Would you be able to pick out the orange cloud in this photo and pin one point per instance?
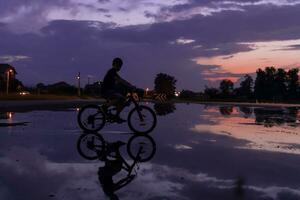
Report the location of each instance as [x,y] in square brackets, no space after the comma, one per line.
[233,79]
[265,54]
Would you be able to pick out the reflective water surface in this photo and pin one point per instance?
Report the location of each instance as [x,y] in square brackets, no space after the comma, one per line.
[202,152]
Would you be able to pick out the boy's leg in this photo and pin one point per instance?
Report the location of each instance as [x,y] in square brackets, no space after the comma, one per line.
[120,105]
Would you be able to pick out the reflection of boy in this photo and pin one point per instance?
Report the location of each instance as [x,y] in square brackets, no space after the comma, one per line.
[111,168]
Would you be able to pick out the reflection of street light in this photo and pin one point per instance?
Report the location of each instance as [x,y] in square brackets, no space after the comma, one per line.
[7,79]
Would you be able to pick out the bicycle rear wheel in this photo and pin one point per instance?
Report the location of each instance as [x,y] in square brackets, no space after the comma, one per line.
[91,146]
[142,119]
[91,118]
[141,148]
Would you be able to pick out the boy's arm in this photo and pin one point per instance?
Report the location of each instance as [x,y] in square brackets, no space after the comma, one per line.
[124,82]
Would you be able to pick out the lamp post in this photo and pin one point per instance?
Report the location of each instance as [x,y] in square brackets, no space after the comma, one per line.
[78,79]
[7,80]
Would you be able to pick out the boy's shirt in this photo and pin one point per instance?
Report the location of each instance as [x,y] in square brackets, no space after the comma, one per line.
[109,81]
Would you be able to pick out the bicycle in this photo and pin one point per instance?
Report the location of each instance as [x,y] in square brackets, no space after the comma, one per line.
[141,119]
[91,146]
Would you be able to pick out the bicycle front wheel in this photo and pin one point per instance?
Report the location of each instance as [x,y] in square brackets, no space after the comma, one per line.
[141,148]
[91,118]
[142,119]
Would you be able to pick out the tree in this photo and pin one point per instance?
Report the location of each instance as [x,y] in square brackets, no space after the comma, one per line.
[226,87]
[15,85]
[259,87]
[277,84]
[264,83]
[166,84]
[280,84]
[212,93]
[246,86]
[293,83]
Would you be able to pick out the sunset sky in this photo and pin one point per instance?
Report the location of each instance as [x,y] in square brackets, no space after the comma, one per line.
[197,41]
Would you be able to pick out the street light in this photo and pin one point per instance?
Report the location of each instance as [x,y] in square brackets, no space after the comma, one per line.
[78,79]
[7,79]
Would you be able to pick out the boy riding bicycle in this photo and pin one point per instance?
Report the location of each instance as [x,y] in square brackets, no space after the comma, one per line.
[114,89]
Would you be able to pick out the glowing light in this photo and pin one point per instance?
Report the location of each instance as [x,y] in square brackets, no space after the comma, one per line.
[177,94]
[10,114]
[24,93]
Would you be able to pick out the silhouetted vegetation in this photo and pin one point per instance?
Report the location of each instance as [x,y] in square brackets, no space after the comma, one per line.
[14,85]
[187,94]
[226,88]
[60,88]
[271,85]
[166,84]
[245,91]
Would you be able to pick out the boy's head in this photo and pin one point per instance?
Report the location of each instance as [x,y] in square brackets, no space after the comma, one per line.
[117,63]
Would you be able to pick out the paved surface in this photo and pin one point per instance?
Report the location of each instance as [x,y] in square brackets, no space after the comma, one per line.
[203,152]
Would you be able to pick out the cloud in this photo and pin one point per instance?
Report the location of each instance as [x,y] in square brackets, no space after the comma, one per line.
[184,41]
[12,58]
[69,46]
[290,48]
[28,16]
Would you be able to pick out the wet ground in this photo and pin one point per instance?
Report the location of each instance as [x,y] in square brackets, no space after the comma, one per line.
[214,152]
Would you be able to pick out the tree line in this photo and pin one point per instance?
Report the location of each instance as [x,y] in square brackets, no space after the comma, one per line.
[271,84]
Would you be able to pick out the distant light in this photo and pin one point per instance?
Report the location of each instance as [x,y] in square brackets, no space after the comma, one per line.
[24,93]
[77,109]
[10,115]
[176,94]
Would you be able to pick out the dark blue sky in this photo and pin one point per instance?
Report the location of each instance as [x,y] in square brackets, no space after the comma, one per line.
[197,41]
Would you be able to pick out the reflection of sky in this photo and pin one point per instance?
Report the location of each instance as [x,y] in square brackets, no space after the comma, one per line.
[283,138]
[40,161]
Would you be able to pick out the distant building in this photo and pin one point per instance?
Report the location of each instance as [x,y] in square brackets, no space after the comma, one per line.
[8,75]
[93,89]
[6,69]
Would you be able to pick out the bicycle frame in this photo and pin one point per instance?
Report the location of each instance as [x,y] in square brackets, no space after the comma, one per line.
[131,98]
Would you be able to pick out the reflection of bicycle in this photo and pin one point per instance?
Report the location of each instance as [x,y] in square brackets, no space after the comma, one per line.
[140,148]
[141,119]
